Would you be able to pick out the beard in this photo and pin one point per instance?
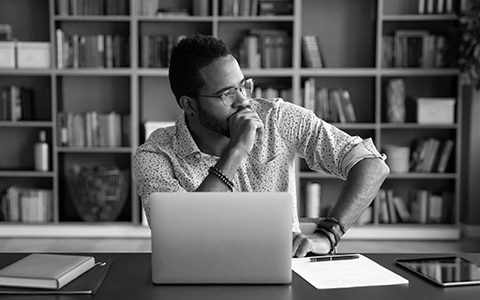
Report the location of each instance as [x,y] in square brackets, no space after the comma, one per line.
[212,123]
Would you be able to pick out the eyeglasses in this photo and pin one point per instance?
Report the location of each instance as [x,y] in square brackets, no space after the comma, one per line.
[228,96]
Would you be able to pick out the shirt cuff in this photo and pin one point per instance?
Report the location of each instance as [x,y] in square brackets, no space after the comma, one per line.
[364,149]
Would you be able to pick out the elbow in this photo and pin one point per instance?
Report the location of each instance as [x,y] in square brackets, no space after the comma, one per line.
[384,171]
[374,168]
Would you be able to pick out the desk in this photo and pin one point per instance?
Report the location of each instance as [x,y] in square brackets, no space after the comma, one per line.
[130,278]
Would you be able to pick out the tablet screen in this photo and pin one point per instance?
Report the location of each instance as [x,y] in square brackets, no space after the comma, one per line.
[444,271]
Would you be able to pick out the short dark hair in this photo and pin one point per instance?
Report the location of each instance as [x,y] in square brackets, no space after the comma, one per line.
[187,58]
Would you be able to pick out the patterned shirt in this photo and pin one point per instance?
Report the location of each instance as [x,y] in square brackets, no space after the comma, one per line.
[170,160]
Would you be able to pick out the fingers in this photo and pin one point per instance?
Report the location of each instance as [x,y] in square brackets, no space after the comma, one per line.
[245,125]
[301,245]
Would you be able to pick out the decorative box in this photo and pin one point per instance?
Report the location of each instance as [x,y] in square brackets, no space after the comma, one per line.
[435,110]
[33,55]
[7,55]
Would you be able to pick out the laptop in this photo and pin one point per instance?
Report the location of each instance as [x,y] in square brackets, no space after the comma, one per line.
[221,238]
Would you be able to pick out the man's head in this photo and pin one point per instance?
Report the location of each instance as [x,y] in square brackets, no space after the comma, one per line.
[188,57]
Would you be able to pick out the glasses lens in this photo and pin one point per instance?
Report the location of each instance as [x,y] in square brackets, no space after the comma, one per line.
[246,88]
[229,96]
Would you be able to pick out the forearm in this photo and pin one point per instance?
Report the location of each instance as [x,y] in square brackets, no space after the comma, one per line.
[228,165]
[362,185]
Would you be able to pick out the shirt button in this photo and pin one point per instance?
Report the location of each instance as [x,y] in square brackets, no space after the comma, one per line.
[198,155]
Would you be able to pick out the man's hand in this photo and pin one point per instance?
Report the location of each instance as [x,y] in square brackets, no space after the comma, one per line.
[244,125]
[303,244]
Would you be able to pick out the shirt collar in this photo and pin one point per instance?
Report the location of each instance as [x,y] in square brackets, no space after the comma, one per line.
[184,144]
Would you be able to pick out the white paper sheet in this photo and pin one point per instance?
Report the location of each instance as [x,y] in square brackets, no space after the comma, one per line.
[345,273]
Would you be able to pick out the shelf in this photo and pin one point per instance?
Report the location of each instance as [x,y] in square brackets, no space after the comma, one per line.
[393,231]
[417,126]
[342,72]
[183,19]
[94,72]
[103,18]
[94,150]
[33,124]
[353,63]
[83,230]
[29,72]
[255,19]
[423,176]
[116,230]
[404,232]
[420,18]
[419,72]
[31,174]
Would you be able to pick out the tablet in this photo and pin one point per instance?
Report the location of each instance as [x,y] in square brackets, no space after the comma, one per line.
[444,271]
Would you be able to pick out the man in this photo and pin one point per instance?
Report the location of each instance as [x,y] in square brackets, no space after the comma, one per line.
[227,141]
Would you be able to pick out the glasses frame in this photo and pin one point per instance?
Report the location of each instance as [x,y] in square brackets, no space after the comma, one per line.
[229,95]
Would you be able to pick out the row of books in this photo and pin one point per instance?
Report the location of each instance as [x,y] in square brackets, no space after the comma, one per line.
[422,207]
[266,48]
[435,6]
[272,92]
[92,7]
[93,129]
[413,49]
[92,51]
[331,105]
[256,7]
[156,49]
[16,103]
[152,8]
[28,205]
[431,155]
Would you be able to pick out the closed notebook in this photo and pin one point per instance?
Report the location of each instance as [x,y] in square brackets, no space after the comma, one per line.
[48,271]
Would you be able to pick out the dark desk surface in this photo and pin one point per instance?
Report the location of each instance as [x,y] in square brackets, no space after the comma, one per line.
[130,278]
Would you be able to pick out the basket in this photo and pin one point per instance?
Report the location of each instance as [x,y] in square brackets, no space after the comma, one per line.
[99,194]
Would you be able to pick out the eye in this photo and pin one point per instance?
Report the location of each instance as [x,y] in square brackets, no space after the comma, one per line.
[230,92]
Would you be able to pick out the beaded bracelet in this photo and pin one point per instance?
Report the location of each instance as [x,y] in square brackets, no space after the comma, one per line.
[334,220]
[333,229]
[222,177]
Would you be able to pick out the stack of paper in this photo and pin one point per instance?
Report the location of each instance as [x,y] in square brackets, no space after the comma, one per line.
[358,272]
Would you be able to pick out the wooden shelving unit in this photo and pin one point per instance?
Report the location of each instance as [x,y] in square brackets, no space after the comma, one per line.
[351,40]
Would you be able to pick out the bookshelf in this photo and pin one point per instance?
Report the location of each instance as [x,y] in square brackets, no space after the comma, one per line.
[350,38]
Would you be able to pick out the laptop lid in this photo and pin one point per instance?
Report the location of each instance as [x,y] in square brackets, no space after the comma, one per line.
[207,237]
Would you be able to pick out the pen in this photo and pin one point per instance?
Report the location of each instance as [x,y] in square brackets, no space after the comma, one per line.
[334,257]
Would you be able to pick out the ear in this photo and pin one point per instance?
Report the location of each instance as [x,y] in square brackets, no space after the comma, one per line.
[189,105]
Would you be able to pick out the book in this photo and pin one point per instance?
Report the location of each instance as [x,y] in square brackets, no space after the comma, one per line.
[311,52]
[419,206]
[47,271]
[445,155]
[392,214]
[86,284]
[421,6]
[401,209]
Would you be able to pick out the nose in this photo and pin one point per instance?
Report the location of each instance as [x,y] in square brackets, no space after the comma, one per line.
[241,99]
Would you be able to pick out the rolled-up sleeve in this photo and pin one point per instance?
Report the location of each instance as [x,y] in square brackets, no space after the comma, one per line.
[364,149]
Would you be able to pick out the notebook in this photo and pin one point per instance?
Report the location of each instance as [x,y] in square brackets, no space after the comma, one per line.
[49,271]
[221,238]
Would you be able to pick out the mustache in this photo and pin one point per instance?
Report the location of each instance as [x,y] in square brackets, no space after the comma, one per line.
[239,110]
